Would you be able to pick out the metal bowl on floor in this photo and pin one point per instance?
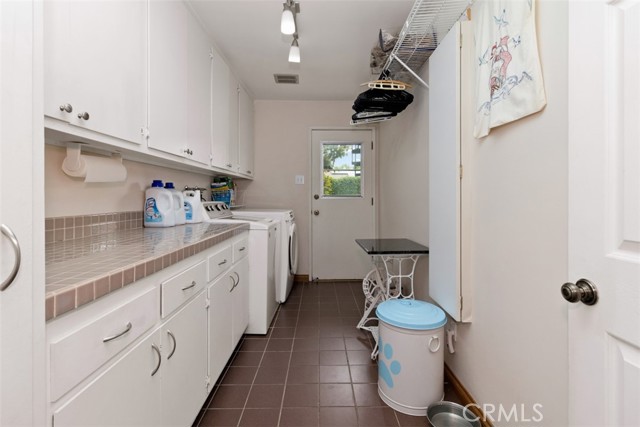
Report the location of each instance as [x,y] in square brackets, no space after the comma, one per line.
[449,414]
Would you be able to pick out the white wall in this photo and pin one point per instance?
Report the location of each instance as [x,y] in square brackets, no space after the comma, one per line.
[65,196]
[282,151]
[403,178]
[515,349]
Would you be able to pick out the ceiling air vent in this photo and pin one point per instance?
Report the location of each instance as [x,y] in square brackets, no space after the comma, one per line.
[291,79]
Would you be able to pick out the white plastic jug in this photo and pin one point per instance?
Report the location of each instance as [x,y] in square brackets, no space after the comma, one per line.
[158,206]
[178,203]
[192,206]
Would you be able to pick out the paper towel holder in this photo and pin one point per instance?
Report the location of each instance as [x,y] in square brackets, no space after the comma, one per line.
[76,165]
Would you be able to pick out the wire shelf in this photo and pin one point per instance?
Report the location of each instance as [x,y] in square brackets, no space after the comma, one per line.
[428,22]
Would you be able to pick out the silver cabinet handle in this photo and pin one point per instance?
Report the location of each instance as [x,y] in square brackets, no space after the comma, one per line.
[242,249]
[157,350]
[238,276]
[223,262]
[233,285]
[175,344]
[188,151]
[84,115]
[127,328]
[66,107]
[16,264]
[193,283]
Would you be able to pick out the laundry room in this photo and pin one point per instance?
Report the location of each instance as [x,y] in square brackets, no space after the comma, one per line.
[319,213]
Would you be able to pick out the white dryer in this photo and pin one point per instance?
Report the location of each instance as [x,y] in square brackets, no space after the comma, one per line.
[263,238]
[287,247]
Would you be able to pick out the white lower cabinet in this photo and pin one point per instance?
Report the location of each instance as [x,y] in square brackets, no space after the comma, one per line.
[240,300]
[220,324]
[184,364]
[128,393]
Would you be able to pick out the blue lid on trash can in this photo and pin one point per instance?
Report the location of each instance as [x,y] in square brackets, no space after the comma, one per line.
[411,314]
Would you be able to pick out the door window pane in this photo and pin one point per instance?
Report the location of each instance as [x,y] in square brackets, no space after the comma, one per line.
[342,169]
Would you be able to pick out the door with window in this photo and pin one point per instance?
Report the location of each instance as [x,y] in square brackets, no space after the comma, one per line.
[342,202]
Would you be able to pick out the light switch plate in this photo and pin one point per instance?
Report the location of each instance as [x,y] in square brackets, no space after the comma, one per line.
[299,179]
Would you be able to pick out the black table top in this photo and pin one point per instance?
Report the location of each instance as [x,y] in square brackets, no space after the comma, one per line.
[392,247]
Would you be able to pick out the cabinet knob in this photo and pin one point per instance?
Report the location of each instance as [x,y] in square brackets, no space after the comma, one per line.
[84,115]
[188,151]
[66,107]
[229,165]
[248,172]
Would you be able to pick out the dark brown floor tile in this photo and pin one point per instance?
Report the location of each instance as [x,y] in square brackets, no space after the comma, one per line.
[299,395]
[271,375]
[411,421]
[306,344]
[230,396]
[374,417]
[239,375]
[331,357]
[264,417]
[360,357]
[331,343]
[353,332]
[303,375]
[286,322]
[358,344]
[288,332]
[334,374]
[305,358]
[307,332]
[364,374]
[338,417]
[247,358]
[275,359]
[367,395]
[279,344]
[220,418]
[254,344]
[265,396]
[336,395]
[299,417]
[330,331]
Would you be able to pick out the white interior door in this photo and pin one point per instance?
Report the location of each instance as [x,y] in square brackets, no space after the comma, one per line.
[21,182]
[604,211]
[342,203]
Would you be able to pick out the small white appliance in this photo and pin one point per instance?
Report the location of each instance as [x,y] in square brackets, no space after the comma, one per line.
[263,234]
[286,247]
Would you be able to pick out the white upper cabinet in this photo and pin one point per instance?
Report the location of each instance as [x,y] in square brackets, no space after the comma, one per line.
[199,93]
[245,132]
[95,73]
[168,73]
[224,99]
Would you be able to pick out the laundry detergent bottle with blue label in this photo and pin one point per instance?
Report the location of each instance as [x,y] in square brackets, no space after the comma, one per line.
[178,203]
[158,206]
[192,206]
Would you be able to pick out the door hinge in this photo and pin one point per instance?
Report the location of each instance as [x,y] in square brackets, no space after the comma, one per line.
[372,145]
[207,381]
[144,131]
[372,201]
[460,171]
[207,303]
[461,302]
[460,41]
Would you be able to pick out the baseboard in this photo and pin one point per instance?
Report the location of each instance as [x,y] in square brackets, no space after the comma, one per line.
[465,396]
[304,278]
[300,278]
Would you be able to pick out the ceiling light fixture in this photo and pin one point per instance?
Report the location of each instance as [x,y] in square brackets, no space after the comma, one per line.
[288,20]
[294,51]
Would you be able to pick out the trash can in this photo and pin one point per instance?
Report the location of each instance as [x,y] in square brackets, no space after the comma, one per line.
[411,354]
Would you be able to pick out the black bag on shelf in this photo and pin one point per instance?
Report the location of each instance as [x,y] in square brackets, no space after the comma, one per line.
[394,101]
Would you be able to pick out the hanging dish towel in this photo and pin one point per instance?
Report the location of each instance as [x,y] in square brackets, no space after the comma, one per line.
[509,77]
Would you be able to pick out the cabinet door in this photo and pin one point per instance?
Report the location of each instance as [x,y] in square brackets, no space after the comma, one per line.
[184,364]
[221,114]
[245,132]
[240,300]
[96,61]
[220,325]
[128,393]
[233,122]
[199,93]
[168,35]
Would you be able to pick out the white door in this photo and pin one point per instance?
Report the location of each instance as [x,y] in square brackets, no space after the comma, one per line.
[21,181]
[221,104]
[342,203]
[604,211]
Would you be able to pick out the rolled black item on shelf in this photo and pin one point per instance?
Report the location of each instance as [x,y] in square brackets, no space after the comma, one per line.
[393,101]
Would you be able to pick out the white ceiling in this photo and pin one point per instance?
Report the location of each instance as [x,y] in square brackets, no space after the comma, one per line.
[335,39]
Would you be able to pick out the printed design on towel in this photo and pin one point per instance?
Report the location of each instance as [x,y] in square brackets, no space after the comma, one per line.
[394,368]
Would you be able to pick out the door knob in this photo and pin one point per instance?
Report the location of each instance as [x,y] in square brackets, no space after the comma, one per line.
[315,196]
[583,290]
[316,212]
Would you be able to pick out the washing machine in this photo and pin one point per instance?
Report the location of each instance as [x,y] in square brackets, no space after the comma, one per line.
[286,247]
[263,238]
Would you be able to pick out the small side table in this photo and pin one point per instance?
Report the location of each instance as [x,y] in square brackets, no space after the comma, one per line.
[392,276]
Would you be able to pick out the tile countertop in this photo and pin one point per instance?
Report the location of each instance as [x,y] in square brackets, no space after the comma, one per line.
[81,270]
